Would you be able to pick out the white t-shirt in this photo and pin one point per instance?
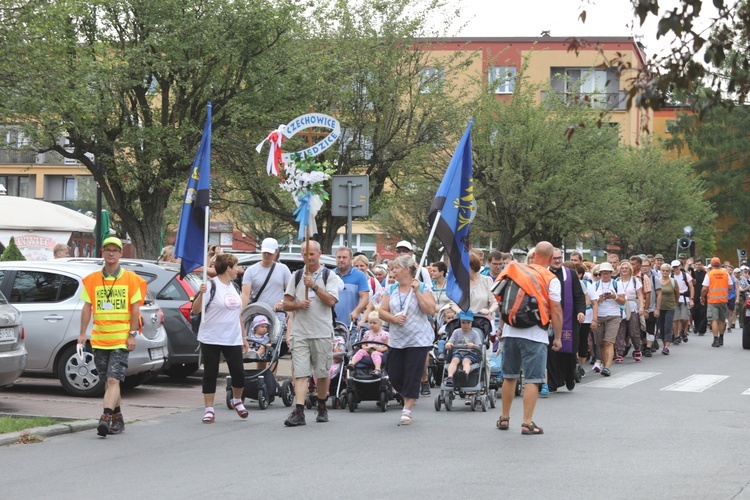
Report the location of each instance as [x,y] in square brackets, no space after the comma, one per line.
[256,275]
[607,307]
[536,333]
[316,322]
[630,289]
[221,323]
[683,286]
[588,288]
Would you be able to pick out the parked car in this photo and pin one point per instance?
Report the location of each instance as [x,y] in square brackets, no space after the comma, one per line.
[12,348]
[293,261]
[48,296]
[174,295]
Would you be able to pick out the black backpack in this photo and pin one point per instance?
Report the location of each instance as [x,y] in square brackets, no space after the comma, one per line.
[517,308]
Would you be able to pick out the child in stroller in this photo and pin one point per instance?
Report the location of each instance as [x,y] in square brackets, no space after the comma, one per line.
[259,339]
[467,337]
[373,351]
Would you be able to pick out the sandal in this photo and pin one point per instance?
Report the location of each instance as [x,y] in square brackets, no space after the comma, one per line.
[503,423]
[405,419]
[531,429]
[240,409]
[209,417]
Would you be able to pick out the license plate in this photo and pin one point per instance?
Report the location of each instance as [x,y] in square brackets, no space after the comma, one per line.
[156,353]
[7,334]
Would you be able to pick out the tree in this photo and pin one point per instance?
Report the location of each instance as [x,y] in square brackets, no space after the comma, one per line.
[362,63]
[723,44]
[11,252]
[126,84]
[719,145]
[531,174]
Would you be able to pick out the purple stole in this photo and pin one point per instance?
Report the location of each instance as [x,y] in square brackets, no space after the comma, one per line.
[567,305]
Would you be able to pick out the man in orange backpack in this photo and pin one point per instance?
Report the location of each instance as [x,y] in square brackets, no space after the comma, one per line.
[527,347]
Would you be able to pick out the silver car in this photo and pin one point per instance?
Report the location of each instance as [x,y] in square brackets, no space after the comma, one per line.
[48,295]
[12,349]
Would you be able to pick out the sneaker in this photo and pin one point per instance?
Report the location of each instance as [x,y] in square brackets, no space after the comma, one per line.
[322,414]
[118,424]
[618,359]
[425,389]
[665,351]
[581,371]
[544,392]
[716,342]
[647,352]
[685,338]
[606,372]
[297,417]
[637,356]
[729,329]
[677,340]
[104,425]
[448,381]
[627,350]
[597,367]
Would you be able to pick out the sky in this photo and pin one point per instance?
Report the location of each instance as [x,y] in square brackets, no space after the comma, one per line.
[500,18]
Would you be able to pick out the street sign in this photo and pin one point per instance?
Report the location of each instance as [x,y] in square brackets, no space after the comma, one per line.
[360,195]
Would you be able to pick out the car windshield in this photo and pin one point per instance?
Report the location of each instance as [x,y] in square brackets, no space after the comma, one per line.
[3,300]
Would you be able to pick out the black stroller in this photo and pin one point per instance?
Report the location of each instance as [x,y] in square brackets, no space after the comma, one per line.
[260,384]
[363,384]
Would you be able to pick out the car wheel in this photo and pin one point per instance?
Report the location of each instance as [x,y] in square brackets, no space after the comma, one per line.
[287,393]
[181,371]
[79,377]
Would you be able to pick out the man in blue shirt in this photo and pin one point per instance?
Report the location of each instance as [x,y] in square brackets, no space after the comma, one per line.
[354,297]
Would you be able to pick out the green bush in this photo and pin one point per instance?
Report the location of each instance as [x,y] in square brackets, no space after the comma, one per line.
[11,252]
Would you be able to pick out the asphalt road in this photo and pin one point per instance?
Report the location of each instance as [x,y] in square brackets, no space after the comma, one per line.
[670,427]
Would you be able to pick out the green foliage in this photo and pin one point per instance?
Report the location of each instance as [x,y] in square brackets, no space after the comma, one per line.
[13,424]
[356,61]
[131,83]
[12,252]
[719,144]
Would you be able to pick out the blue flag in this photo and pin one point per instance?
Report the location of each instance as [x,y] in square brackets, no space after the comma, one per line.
[455,201]
[189,245]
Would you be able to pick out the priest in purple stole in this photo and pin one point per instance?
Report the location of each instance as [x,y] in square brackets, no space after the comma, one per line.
[562,364]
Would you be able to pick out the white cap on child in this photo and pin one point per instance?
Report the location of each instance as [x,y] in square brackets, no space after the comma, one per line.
[259,320]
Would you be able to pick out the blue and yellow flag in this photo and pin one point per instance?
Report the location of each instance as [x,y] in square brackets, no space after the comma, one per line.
[455,202]
[189,245]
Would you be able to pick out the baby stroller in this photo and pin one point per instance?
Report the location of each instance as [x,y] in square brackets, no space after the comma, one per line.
[260,384]
[364,385]
[474,384]
[437,353]
[337,383]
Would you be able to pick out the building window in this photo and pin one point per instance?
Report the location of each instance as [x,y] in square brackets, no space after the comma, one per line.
[431,80]
[503,79]
[70,191]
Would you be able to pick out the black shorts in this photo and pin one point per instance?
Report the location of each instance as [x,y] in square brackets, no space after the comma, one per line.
[111,362]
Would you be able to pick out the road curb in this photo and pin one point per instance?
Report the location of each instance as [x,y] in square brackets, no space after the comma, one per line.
[38,433]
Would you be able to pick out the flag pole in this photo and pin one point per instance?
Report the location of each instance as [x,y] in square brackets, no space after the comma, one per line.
[424,255]
[205,259]
[307,249]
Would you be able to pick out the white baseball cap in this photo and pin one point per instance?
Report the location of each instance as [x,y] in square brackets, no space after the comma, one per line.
[676,263]
[269,245]
[259,320]
[405,244]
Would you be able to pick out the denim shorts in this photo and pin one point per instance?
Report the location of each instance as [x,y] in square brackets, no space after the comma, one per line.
[523,353]
[461,355]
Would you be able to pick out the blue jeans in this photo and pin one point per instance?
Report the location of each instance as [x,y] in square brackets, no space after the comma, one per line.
[523,353]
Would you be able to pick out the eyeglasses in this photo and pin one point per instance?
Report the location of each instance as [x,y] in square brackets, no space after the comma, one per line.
[596,275]
[402,250]
[111,250]
[556,258]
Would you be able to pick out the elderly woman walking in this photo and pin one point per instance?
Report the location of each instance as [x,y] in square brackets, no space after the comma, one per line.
[407,306]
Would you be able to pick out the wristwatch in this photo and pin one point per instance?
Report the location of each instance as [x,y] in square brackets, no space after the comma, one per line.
[315,288]
[134,333]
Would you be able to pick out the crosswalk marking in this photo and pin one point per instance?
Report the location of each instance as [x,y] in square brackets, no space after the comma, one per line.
[621,380]
[746,393]
[696,383]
